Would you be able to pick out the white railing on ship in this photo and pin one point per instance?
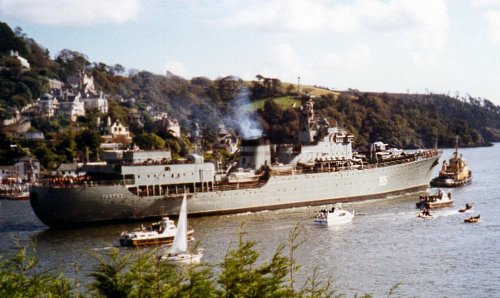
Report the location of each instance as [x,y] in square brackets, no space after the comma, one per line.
[69,182]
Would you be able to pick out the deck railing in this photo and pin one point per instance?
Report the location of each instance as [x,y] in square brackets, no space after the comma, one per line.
[73,183]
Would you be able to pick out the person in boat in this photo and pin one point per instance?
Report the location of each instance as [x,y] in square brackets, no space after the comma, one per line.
[426,212]
[467,206]
[449,195]
[440,193]
[333,209]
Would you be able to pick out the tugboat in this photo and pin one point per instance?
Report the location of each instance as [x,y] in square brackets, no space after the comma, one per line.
[455,173]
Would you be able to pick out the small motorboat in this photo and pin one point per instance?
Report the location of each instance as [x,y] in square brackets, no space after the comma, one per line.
[473,219]
[244,176]
[159,233]
[466,209]
[22,196]
[434,201]
[425,214]
[334,216]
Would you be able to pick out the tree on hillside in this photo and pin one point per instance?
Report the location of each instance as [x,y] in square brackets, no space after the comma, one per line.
[266,87]
[149,141]
[71,63]
[10,41]
[88,141]
[208,120]
[229,87]
[46,156]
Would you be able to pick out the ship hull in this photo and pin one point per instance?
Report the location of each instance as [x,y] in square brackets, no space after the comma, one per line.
[62,207]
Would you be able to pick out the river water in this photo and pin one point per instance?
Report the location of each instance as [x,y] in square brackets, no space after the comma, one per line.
[384,245]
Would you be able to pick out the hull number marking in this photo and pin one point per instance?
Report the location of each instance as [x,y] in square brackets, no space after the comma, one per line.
[113,196]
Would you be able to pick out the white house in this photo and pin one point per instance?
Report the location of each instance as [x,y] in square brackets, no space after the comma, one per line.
[96,102]
[171,125]
[67,170]
[24,62]
[72,106]
[116,129]
[82,82]
[48,105]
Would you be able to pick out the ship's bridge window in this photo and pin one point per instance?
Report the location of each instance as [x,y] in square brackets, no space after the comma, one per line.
[130,178]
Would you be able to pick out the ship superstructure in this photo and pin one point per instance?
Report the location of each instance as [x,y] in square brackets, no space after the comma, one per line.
[322,168]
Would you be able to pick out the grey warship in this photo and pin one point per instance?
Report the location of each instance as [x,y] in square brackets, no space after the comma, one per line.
[320,169]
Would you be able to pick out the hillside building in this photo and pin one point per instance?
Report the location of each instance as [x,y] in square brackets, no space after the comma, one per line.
[114,132]
[72,106]
[48,105]
[96,102]
[226,141]
[24,62]
[171,125]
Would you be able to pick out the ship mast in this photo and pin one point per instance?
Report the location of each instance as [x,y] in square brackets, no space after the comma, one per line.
[308,129]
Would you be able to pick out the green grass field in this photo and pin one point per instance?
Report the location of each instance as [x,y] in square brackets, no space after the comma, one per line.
[286,102]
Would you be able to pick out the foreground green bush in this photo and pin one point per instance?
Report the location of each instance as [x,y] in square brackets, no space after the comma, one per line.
[240,274]
[19,277]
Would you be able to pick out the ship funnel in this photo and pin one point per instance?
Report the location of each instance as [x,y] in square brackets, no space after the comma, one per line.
[255,153]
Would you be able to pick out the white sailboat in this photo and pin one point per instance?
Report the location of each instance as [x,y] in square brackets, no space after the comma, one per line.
[178,253]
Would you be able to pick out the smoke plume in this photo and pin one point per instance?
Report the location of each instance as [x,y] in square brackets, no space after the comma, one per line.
[244,119]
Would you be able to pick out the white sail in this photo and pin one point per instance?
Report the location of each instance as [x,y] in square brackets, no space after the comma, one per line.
[180,240]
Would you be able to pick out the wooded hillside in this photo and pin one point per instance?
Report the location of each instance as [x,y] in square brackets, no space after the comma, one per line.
[401,120]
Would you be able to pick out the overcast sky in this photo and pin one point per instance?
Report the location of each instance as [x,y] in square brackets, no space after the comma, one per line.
[411,46]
